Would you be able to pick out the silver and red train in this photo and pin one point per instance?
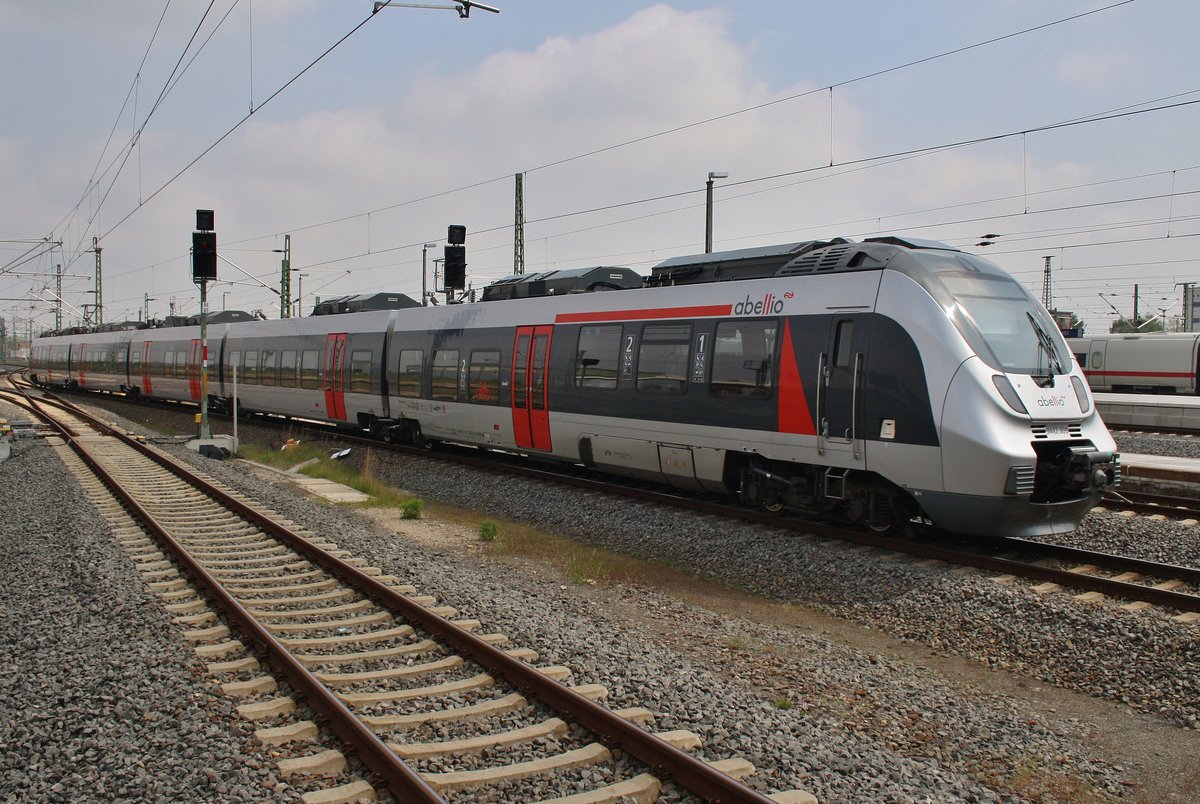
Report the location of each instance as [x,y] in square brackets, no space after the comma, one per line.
[882,381]
[1159,362]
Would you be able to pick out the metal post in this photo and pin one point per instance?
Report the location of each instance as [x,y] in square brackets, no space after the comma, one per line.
[708,208]
[99,283]
[205,430]
[58,297]
[235,401]
[285,279]
[424,273]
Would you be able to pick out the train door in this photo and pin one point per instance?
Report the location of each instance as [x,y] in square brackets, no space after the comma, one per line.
[530,392]
[1094,368]
[195,358]
[839,428]
[147,387]
[335,376]
[80,354]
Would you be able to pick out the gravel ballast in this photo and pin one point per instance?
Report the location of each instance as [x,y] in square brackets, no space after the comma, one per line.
[865,723]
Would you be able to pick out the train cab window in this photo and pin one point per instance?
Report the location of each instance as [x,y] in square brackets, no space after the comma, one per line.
[842,343]
[287,368]
[267,367]
[743,357]
[484,378]
[597,357]
[444,377]
[181,365]
[360,371]
[310,362]
[663,358]
[408,372]
[251,377]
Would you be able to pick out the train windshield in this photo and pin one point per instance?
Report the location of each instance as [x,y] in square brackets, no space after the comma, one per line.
[996,315]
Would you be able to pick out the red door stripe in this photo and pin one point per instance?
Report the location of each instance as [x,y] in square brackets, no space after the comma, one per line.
[794,415]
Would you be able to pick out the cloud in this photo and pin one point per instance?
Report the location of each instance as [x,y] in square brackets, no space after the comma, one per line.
[1091,70]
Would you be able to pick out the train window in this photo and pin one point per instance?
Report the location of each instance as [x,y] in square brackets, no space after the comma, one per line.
[181,364]
[267,367]
[251,372]
[444,377]
[287,368]
[310,362]
[597,356]
[168,364]
[1097,360]
[842,343]
[663,358]
[485,376]
[234,361]
[408,372]
[743,356]
[360,371]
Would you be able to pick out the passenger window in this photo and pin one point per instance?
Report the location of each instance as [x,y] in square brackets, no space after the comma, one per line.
[169,364]
[310,361]
[597,356]
[360,371]
[181,364]
[251,368]
[444,377]
[743,359]
[1097,360]
[843,343]
[663,358]
[485,377]
[267,368]
[233,368]
[287,368]
[408,373]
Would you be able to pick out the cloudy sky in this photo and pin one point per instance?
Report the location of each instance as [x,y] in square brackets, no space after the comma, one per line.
[1070,129]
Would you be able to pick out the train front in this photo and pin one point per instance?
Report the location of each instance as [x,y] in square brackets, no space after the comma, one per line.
[1024,451]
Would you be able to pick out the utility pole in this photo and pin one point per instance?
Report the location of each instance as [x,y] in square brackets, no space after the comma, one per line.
[1135,305]
[285,279]
[1047,295]
[1188,300]
[519,228]
[99,314]
[58,296]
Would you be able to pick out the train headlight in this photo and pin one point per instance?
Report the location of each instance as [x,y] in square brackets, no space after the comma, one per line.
[1081,394]
[1009,393]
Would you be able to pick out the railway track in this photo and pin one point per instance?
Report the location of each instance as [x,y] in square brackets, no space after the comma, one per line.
[433,710]
[1094,575]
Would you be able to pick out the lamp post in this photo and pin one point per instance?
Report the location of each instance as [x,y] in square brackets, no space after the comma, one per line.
[708,204]
[424,267]
[300,294]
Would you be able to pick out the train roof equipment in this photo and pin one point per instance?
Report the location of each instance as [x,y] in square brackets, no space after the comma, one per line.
[364,302]
[562,282]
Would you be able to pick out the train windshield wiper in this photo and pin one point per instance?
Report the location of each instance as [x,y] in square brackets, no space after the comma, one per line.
[1045,345]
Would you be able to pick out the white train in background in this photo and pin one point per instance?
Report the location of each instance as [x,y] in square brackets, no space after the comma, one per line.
[1159,362]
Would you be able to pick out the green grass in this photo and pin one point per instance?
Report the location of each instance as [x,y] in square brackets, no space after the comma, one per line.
[782,703]
[381,494]
[488,530]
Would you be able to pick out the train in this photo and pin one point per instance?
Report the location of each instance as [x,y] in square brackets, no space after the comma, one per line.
[1159,362]
[885,382]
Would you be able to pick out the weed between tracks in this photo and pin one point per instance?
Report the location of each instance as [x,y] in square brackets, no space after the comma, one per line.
[316,462]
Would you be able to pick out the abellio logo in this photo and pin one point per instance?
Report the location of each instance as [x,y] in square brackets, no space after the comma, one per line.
[767,305]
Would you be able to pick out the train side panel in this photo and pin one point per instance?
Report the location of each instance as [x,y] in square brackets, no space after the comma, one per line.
[1155,363]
